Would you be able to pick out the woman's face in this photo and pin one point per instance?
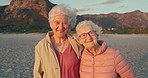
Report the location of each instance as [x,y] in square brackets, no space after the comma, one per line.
[60,25]
[87,37]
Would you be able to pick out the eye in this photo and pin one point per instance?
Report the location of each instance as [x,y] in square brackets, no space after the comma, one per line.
[92,33]
[65,24]
[83,35]
[56,22]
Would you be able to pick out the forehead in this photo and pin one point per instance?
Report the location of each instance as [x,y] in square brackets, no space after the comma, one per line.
[60,18]
[85,28]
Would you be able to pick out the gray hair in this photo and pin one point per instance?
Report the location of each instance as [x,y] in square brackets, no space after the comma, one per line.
[64,10]
[95,27]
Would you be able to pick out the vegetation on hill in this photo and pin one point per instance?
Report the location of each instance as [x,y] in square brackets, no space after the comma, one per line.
[24,29]
[126,30]
[44,29]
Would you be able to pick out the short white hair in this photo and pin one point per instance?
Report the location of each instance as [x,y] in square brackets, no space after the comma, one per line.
[95,27]
[64,10]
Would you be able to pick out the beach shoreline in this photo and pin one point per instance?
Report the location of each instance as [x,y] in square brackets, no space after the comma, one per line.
[17,52]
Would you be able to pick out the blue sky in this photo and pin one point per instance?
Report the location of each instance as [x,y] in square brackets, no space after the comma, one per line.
[100,6]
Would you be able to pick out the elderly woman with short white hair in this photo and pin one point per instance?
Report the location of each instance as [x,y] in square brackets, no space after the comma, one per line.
[56,55]
[99,60]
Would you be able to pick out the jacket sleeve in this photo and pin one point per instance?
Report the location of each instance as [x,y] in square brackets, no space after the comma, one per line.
[38,73]
[122,67]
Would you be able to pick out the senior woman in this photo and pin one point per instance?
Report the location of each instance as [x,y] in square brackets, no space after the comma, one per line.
[56,55]
[98,60]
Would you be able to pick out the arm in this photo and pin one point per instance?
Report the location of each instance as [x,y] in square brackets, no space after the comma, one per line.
[38,73]
[122,67]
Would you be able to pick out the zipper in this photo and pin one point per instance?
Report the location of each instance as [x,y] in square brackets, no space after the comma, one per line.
[93,66]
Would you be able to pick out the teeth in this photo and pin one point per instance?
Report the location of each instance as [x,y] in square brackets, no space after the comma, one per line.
[60,31]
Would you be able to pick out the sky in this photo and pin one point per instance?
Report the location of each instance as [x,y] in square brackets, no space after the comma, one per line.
[100,6]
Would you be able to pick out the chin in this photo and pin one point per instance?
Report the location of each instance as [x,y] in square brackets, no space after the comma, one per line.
[90,46]
[61,35]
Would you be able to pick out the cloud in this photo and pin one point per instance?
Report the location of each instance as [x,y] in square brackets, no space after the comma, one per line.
[83,9]
[108,1]
[87,10]
[103,2]
[121,7]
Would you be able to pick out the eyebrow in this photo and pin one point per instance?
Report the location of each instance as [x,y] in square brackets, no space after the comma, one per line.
[87,32]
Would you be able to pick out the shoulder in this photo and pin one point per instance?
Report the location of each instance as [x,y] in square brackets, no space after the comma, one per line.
[113,51]
[40,43]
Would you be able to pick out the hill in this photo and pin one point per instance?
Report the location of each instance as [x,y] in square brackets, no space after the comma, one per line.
[32,16]
[25,12]
[131,19]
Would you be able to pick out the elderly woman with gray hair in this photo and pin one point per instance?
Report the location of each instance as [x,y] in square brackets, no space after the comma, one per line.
[99,60]
[56,55]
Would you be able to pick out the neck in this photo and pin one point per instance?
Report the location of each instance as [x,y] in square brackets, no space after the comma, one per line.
[94,49]
[59,39]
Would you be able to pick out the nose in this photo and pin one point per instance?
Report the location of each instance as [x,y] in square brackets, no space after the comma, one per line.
[89,36]
[61,26]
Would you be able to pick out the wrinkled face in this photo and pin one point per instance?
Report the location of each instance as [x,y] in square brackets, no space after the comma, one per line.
[59,25]
[87,36]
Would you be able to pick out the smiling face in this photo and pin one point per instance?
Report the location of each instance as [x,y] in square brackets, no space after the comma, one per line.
[60,25]
[87,36]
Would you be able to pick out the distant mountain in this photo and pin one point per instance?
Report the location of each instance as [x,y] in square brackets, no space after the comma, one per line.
[20,12]
[34,12]
[130,19]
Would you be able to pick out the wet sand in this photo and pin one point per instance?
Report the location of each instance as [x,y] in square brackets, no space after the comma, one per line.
[17,53]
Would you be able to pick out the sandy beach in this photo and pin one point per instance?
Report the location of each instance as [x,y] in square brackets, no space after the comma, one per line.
[17,53]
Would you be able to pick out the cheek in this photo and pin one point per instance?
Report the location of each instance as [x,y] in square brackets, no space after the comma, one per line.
[95,40]
[81,41]
[66,27]
[52,26]
[84,43]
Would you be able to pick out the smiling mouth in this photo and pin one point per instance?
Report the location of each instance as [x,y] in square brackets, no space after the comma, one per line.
[60,31]
[89,41]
